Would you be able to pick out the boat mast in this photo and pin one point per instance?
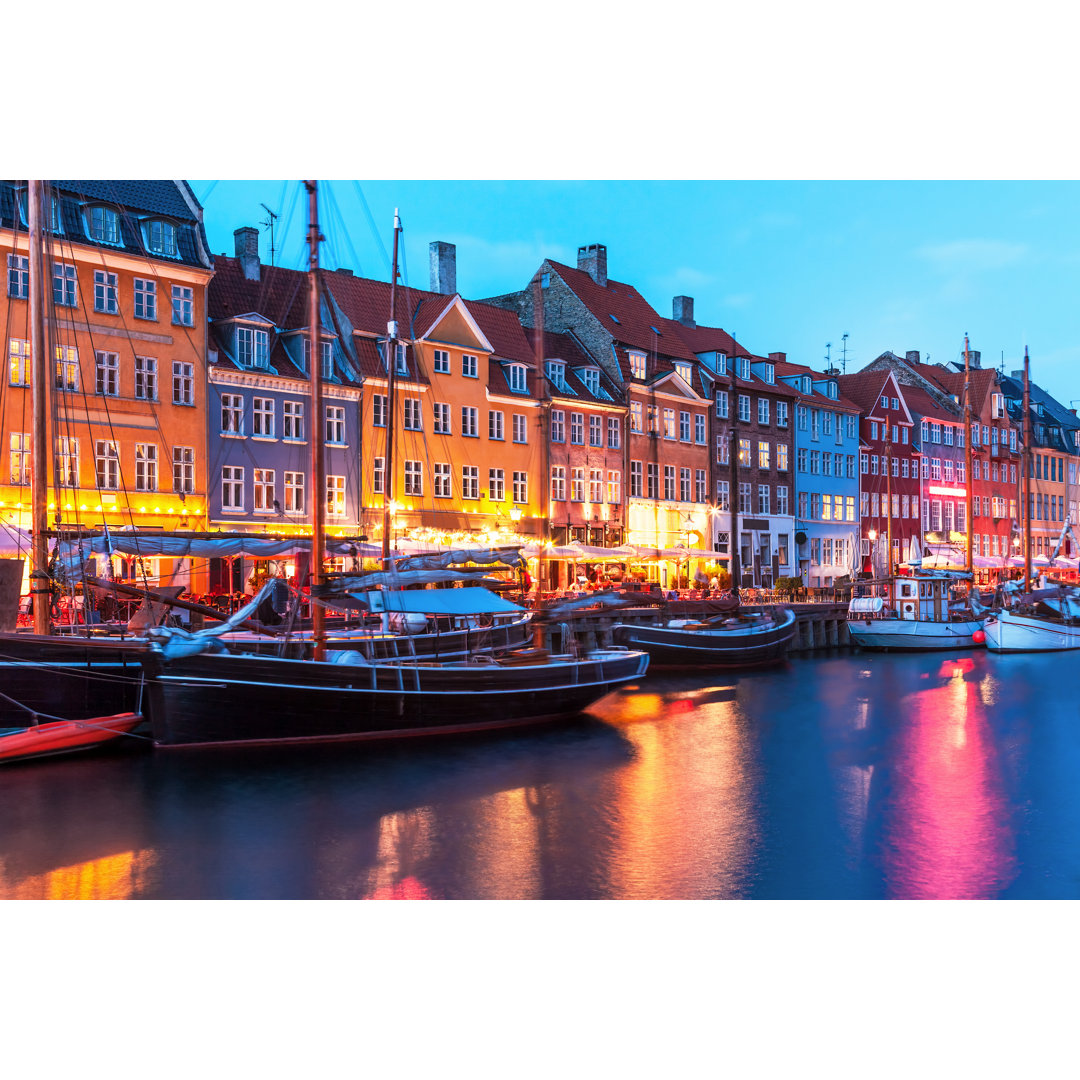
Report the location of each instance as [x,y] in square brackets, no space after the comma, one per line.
[391,366]
[545,438]
[318,461]
[969,561]
[888,498]
[733,465]
[1025,463]
[39,381]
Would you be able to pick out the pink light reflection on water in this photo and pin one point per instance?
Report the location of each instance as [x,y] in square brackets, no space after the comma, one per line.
[948,834]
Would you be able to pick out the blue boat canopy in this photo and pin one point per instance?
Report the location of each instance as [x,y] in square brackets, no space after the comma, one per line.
[471,601]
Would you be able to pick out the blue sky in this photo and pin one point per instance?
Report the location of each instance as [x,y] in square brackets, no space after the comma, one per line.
[785,265]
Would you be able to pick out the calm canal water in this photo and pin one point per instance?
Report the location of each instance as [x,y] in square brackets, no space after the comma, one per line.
[854,776]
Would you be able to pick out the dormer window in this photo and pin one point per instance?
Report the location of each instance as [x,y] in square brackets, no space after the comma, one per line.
[832,390]
[721,363]
[104,225]
[770,373]
[252,347]
[326,356]
[591,378]
[637,365]
[516,377]
[556,372]
[744,367]
[807,384]
[161,238]
[24,212]
[686,372]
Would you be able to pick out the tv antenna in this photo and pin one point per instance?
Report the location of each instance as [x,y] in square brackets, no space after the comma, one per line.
[828,358]
[269,224]
[843,355]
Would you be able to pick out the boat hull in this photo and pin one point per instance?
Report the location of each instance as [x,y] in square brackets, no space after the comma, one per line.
[64,737]
[733,647]
[1008,632]
[228,699]
[913,635]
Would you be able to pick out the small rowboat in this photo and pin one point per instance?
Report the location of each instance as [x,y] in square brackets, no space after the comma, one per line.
[65,736]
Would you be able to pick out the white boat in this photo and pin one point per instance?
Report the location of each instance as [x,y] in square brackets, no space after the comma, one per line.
[1046,620]
[916,612]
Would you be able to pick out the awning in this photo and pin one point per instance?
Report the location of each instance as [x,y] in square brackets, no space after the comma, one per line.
[440,601]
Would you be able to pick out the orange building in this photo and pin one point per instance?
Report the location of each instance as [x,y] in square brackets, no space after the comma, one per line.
[127,268]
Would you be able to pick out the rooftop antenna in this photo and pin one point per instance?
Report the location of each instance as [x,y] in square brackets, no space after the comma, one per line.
[269,224]
[843,355]
[828,356]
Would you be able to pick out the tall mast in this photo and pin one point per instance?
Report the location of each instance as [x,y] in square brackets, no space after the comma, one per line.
[318,461]
[888,498]
[1025,463]
[391,366]
[39,381]
[545,433]
[969,562]
[733,464]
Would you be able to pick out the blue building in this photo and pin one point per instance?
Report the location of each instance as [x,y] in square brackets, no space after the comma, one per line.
[826,476]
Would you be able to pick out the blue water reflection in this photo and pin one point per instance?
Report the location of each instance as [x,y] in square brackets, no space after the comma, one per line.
[937,776]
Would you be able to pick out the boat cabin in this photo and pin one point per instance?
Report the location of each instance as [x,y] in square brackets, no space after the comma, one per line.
[917,598]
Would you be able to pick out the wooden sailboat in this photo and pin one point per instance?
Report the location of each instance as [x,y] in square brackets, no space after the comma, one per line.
[201,697]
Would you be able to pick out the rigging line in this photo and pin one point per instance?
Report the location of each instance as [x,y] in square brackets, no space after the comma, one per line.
[206,194]
[373,226]
[335,209]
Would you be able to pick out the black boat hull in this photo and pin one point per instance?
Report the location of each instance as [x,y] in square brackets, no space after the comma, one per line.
[227,699]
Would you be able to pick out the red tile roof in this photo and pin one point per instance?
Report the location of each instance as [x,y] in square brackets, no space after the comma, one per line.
[920,403]
[785,368]
[863,388]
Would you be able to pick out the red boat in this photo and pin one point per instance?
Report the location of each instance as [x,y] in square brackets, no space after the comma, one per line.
[65,736]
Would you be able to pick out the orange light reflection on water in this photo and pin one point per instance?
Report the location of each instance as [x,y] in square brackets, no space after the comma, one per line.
[947,825]
[113,877]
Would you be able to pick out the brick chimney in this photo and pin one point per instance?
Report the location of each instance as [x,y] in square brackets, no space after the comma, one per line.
[912,356]
[778,357]
[682,310]
[247,251]
[592,258]
[442,259]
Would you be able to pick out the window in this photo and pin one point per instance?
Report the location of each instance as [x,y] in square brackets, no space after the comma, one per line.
[669,482]
[469,369]
[635,416]
[635,479]
[335,424]
[591,378]
[183,306]
[262,417]
[232,414]
[614,433]
[782,457]
[107,460]
[232,487]
[67,461]
[443,481]
[252,347]
[441,410]
[521,487]
[161,238]
[442,362]
[699,486]
[335,496]
[294,493]
[516,379]
[669,424]
[558,483]
[803,456]
[763,455]
[105,292]
[326,358]
[763,410]
[378,476]
[896,466]
[947,470]
[684,426]
[596,431]
[596,485]
[850,472]
[183,383]
[699,429]
[781,414]
[104,225]
[495,424]
[722,495]
[264,491]
[935,468]
[637,365]
[520,428]
[744,453]
[470,481]
[414,478]
[744,499]
[652,418]
[722,448]
[815,424]
[815,462]
[496,485]
[904,468]
[577,428]
[614,486]
[558,430]
[19,362]
[556,372]
[744,367]
[64,284]
[293,420]
[722,404]
[948,434]
[744,408]
[577,485]
[800,417]
[412,420]
[470,421]
[18,277]
[145,299]
[652,481]
[684,485]
[146,378]
[184,469]
[378,411]
[20,457]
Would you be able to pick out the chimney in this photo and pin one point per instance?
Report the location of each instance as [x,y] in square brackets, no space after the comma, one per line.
[592,258]
[778,357]
[975,356]
[912,356]
[682,310]
[442,258]
[344,270]
[247,251]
